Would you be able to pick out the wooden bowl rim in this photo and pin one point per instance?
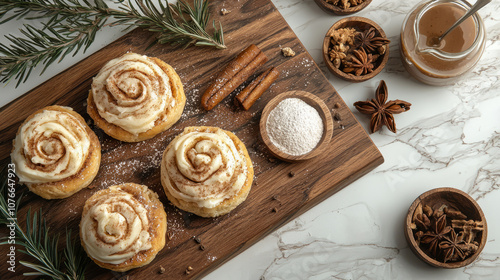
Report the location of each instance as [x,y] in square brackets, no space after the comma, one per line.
[341,74]
[336,10]
[419,252]
[316,103]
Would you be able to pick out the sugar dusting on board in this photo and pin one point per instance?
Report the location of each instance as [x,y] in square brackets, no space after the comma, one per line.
[130,161]
[294,127]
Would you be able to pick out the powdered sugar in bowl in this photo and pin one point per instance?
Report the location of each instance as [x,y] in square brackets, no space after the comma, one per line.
[296,126]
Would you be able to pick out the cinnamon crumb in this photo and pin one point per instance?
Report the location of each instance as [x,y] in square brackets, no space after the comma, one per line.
[336,105]
[161,270]
[224,11]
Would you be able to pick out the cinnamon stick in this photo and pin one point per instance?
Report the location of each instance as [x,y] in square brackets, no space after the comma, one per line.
[233,75]
[247,97]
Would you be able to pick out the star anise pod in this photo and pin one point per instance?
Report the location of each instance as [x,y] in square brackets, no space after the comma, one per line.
[367,40]
[380,111]
[438,233]
[451,247]
[361,63]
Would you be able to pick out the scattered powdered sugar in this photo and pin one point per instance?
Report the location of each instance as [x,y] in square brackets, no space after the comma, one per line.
[294,127]
[211,257]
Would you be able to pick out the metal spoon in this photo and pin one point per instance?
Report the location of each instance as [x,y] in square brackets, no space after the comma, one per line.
[478,5]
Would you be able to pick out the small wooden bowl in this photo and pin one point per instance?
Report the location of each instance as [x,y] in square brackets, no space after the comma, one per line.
[457,200]
[334,9]
[360,24]
[313,101]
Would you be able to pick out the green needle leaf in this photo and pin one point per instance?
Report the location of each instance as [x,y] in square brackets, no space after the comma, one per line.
[37,242]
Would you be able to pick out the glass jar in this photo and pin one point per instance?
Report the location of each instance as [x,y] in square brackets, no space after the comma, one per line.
[456,54]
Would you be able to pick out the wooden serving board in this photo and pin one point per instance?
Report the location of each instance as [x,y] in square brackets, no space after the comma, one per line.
[275,197]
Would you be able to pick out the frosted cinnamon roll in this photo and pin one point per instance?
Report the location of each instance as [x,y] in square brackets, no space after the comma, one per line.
[55,152]
[123,226]
[135,97]
[206,171]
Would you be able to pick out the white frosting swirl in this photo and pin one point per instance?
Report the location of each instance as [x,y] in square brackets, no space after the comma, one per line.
[49,147]
[116,227]
[205,168]
[132,92]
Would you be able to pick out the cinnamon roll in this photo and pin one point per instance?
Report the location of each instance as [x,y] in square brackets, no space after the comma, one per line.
[55,152]
[206,171]
[123,227]
[135,97]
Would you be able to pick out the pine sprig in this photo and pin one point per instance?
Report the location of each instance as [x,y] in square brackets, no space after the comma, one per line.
[73,24]
[38,243]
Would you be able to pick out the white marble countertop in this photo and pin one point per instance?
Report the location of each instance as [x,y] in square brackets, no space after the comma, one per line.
[450,137]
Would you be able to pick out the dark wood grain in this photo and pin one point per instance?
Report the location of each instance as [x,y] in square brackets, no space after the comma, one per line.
[349,155]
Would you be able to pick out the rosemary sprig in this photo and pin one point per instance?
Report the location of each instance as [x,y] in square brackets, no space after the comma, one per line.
[38,243]
[171,22]
[72,25]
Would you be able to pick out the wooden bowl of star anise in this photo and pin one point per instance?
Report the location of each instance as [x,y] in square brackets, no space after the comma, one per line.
[342,7]
[355,49]
[446,228]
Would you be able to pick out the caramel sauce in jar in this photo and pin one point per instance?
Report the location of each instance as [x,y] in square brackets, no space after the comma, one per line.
[457,53]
